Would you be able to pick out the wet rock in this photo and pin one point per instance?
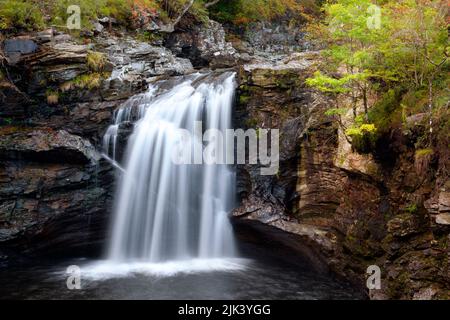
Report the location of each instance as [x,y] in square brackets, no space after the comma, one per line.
[52,206]
[444,201]
[426,293]
[62,38]
[107,20]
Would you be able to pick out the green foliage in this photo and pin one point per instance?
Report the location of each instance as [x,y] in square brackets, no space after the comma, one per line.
[424,152]
[87,81]
[391,59]
[363,137]
[386,112]
[412,208]
[91,10]
[96,61]
[361,130]
[242,12]
[148,36]
[332,85]
[336,112]
[20,15]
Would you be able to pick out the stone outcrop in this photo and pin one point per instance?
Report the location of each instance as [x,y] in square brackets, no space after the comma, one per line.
[54,192]
[45,144]
[204,45]
[352,210]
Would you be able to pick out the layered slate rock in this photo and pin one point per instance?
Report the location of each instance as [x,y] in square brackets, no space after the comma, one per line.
[54,191]
[45,144]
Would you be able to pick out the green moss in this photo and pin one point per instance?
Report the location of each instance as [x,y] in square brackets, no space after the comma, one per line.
[412,208]
[251,123]
[396,286]
[424,152]
[148,36]
[96,61]
[87,81]
[243,99]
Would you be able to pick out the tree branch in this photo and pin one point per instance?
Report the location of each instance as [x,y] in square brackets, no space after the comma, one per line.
[186,9]
[210,4]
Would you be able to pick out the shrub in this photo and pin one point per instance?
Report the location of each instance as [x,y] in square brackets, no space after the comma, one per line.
[52,97]
[87,81]
[422,160]
[20,15]
[245,11]
[363,137]
[96,61]
[412,208]
[424,152]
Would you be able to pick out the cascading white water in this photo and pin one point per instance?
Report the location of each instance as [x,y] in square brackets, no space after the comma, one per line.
[167,211]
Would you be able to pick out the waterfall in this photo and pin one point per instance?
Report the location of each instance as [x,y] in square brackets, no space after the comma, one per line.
[166,211]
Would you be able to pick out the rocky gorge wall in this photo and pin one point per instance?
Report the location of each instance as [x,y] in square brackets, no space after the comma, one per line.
[56,190]
[343,210]
[352,210]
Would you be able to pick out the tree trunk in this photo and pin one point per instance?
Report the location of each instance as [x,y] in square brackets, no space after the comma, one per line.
[366,107]
[430,104]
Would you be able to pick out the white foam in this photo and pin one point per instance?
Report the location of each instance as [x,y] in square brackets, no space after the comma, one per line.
[107,269]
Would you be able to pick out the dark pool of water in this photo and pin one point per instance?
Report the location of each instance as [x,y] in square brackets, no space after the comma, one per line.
[262,275]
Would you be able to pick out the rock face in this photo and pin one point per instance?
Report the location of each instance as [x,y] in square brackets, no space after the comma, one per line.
[353,210]
[135,62]
[55,189]
[45,144]
[275,38]
[205,45]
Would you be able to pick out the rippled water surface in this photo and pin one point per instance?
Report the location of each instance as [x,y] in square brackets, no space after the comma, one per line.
[252,277]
